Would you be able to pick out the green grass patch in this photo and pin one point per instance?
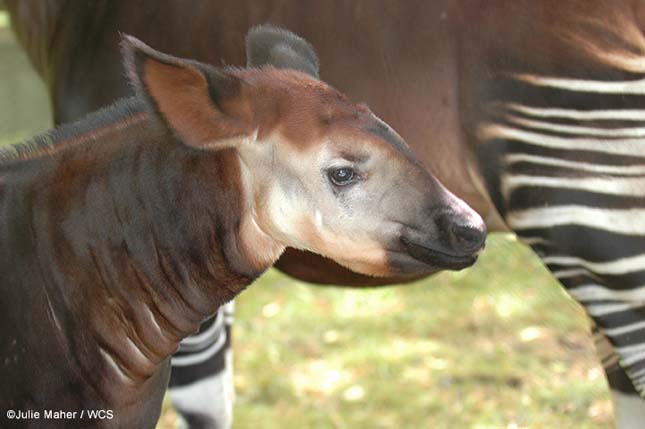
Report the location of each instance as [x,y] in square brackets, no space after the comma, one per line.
[497,346]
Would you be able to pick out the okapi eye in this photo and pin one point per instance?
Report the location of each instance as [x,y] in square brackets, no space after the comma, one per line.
[341,176]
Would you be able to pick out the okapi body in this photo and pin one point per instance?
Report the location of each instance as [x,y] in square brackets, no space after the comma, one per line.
[121,233]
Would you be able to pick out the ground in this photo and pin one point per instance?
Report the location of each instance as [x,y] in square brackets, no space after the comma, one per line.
[497,346]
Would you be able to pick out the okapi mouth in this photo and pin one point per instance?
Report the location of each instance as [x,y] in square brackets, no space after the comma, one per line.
[437,258]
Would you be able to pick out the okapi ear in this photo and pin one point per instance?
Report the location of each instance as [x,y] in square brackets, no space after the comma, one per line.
[190,97]
[269,45]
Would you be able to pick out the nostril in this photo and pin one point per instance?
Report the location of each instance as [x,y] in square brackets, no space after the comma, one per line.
[467,238]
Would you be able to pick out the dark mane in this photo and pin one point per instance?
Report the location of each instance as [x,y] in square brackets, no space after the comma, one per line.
[53,140]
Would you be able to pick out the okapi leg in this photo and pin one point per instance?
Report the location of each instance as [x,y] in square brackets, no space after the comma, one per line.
[201,382]
[557,123]
[628,406]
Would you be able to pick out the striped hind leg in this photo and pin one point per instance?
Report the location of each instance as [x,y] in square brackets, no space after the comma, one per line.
[604,271]
[201,381]
[576,195]
[569,179]
[628,405]
[612,296]
[610,288]
[555,111]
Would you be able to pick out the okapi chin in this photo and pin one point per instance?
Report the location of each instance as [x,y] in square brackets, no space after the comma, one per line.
[120,234]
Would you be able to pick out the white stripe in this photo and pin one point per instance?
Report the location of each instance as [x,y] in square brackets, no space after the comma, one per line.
[197,358]
[638,383]
[580,115]
[207,335]
[625,329]
[597,292]
[617,266]
[632,187]
[229,308]
[612,361]
[513,158]
[153,320]
[627,147]
[625,60]
[639,373]
[561,274]
[142,357]
[578,130]
[534,240]
[631,354]
[628,350]
[229,312]
[620,221]
[584,85]
[605,309]
[210,398]
[117,369]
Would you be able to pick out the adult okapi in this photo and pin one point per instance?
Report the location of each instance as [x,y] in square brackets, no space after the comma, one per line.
[533,112]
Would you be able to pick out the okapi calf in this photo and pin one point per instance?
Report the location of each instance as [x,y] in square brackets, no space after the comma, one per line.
[121,233]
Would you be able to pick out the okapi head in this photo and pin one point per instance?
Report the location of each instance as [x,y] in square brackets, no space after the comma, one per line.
[317,171]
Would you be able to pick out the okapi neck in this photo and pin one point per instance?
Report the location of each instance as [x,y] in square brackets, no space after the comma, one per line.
[138,241]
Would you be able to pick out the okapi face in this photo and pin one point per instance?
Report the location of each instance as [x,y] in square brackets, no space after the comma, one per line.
[334,179]
[317,172]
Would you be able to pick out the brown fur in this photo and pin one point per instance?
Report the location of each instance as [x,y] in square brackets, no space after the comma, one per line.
[135,224]
[398,58]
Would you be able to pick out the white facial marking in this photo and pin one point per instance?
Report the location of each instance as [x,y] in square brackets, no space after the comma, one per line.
[256,168]
[318,219]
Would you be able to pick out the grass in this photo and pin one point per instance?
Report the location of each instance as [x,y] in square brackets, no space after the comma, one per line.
[498,346]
